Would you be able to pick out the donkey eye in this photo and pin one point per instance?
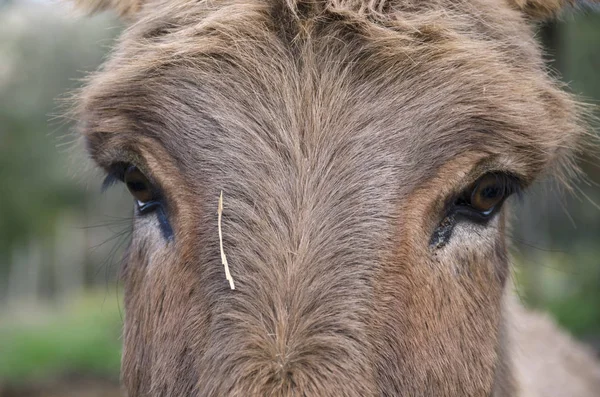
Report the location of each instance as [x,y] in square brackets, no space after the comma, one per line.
[488,193]
[147,195]
[140,188]
[485,197]
[478,203]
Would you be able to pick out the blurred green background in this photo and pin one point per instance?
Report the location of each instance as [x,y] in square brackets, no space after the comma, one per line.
[61,240]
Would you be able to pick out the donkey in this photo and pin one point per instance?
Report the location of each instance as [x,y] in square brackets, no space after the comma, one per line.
[319,190]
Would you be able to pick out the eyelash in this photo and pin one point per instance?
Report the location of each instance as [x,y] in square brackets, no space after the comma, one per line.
[113,176]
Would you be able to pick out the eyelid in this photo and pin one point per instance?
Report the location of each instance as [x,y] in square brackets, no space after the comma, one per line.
[511,182]
[109,180]
[115,163]
[116,173]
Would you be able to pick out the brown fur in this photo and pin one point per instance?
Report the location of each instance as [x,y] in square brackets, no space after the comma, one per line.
[337,130]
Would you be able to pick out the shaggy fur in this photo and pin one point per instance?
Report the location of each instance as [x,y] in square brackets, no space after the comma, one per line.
[337,130]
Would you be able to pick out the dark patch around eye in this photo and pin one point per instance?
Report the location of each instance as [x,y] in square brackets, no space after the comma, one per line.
[443,232]
[164,225]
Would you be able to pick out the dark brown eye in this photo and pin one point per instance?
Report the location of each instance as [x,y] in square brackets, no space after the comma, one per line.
[139,186]
[148,197]
[486,195]
[488,192]
[478,203]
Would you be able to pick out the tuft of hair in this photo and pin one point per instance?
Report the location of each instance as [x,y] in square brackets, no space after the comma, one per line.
[124,8]
[544,9]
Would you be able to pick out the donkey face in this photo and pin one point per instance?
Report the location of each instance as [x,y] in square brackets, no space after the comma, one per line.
[364,152]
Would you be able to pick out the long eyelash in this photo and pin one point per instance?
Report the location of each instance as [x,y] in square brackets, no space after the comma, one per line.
[512,184]
[113,175]
[109,181]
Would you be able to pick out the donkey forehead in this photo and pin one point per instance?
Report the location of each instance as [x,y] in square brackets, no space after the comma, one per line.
[256,81]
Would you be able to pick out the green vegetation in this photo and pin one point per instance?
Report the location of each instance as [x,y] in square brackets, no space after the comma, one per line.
[566,285]
[82,338]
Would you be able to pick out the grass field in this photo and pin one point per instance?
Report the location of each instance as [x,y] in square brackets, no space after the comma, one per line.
[81,341]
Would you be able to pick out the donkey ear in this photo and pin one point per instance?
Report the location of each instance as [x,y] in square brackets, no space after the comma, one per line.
[125,8]
[544,9]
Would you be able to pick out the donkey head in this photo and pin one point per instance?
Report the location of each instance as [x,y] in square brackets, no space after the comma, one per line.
[364,150]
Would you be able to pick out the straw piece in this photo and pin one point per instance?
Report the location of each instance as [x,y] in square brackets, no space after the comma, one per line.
[223,257]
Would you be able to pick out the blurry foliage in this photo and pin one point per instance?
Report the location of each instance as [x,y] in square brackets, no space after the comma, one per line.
[567,285]
[81,339]
[557,234]
[43,52]
[578,54]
